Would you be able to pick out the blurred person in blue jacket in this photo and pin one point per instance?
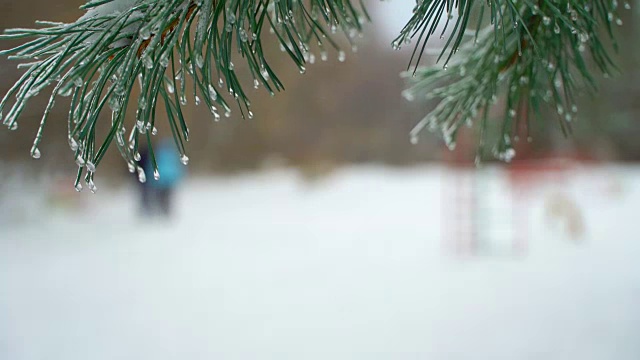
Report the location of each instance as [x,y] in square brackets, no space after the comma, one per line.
[157,192]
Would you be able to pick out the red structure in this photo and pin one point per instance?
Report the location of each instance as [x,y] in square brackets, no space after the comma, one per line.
[468,218]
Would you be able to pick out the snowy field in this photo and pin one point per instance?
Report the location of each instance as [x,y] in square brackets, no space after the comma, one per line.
[358,265]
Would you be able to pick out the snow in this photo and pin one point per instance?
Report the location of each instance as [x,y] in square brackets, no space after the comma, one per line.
[265,266]
[110,8]
[113,9]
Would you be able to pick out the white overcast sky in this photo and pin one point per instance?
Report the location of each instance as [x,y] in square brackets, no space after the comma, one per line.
[390,16]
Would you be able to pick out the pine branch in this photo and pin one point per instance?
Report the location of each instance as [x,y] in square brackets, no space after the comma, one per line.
[532,54]
[97,59]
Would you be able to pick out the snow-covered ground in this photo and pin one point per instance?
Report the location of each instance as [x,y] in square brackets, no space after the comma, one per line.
[355,266]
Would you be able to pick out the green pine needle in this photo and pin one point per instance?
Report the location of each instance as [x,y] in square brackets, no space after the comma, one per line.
[522,56]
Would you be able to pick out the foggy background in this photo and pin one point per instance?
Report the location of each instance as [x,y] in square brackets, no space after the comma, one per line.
[316,230]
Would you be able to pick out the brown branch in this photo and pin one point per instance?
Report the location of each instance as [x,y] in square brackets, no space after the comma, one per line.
[166,31]
[514,57]
[532,24]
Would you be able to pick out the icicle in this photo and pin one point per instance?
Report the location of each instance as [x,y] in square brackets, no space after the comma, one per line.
[243,35]
[164,60]
[80,161]
[73,145]
[508,154]
[145,32]
[213,95]
[91,167]
[92,187]
[214,111]
[199,61]
[35,152]
[141,175]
